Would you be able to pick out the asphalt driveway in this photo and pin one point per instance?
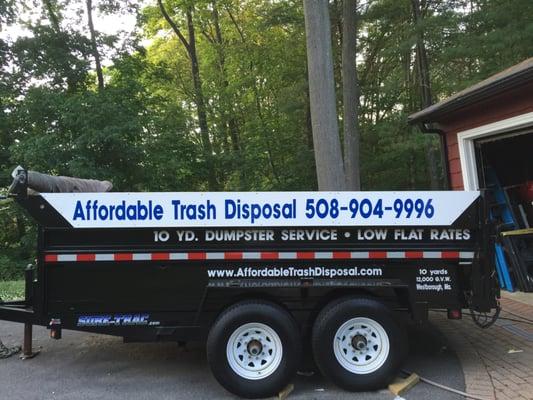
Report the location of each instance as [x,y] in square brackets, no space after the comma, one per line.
[86,366]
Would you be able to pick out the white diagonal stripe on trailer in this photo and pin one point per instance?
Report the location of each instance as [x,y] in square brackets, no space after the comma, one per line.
[323,255]
[104,257]
[214,256]
[395,254]
[432,254]
[251,255]
[178,256]
[359,254]
[142,256]
[466,254]
[287,255]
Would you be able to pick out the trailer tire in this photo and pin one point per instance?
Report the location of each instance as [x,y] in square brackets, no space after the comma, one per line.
[263,365]
[369,358]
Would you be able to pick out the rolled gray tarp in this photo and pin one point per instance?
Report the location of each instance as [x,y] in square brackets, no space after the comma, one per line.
[63,184]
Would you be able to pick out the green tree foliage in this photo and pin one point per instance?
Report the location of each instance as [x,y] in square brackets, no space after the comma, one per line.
[142,130]
[257,113]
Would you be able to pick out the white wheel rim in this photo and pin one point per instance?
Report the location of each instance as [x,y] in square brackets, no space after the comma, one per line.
[361,345]
[243,355]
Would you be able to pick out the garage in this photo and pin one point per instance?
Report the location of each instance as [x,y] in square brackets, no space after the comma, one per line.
[486,132]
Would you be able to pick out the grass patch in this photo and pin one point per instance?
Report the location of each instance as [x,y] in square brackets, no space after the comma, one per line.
[11,290]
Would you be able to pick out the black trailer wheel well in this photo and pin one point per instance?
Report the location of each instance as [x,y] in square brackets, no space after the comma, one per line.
[400,299]
[248,296]
[332,296]
[338,293]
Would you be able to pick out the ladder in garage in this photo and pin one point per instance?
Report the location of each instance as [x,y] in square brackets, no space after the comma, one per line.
[500,210]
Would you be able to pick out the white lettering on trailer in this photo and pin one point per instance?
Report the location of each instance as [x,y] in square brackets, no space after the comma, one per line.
[372,234]
[450,234]
[311,235]
[413,234]
[235,235]
[263,209]
[433,280]
[186,236]
[294,272]
[308,234]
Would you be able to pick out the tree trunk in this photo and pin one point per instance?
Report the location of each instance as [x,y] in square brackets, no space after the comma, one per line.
[350,96]
[421,56]
[328,155]
[229,120]
[200,104]
[199,100]
[308,124]
[425,90]
[94,46]
[257,101]
[266,133]
[228,111]
[336,38]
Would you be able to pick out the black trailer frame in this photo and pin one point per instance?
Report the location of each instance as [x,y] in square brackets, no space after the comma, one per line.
[476,280]
[122,282]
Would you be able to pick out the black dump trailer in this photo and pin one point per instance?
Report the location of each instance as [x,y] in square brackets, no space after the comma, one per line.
[262,278]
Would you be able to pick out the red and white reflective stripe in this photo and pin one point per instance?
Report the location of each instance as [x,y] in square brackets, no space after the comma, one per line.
[261,255]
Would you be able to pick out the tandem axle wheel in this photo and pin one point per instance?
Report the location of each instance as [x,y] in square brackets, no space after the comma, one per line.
[254,349]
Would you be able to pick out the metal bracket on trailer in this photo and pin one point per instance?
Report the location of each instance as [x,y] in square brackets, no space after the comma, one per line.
[16,311]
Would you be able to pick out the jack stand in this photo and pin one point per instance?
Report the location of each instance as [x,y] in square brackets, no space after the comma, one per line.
[27,351]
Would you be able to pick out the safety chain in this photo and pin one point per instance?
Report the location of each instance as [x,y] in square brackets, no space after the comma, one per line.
[6,352]
[484,319]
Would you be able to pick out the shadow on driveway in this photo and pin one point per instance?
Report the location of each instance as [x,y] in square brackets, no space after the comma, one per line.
[88,366]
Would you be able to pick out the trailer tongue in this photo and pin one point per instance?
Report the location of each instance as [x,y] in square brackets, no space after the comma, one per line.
[258,274]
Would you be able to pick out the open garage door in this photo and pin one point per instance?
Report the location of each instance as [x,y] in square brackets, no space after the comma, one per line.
[505,168]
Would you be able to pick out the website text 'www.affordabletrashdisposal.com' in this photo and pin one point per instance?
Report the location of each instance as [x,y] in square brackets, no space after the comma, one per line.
[294,272]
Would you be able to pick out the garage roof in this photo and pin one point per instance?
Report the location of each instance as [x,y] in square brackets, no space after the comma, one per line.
[507,79]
